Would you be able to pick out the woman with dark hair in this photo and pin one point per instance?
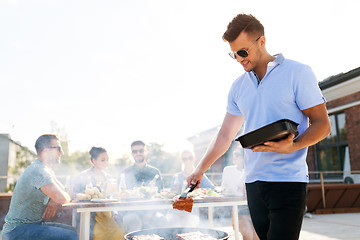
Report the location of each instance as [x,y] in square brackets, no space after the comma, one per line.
[102,224]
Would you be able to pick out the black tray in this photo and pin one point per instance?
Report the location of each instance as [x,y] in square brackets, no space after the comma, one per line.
[275,131]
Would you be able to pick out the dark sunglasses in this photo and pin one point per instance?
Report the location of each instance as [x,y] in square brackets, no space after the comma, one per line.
[137,151]
[57,147]
[242,52]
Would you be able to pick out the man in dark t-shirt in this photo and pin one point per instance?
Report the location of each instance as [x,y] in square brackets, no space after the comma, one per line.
[141,173]
[137,175]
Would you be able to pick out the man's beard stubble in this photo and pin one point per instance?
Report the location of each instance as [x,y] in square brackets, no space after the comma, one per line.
[140,160]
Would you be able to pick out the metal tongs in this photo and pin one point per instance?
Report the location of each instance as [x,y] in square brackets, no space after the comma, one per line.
[188,190]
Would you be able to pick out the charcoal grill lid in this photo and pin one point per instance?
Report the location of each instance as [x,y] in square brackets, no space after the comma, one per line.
[275,131]
[170,233]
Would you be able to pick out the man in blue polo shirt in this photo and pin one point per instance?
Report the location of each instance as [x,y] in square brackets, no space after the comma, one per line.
[272,88]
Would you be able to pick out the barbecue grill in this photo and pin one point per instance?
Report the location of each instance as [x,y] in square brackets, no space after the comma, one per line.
[170,233]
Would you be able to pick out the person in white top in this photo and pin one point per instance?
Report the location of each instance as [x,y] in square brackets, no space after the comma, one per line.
[233,183]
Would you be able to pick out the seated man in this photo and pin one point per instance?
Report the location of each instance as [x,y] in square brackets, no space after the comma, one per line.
[141,173]
[37,195]
[137,175]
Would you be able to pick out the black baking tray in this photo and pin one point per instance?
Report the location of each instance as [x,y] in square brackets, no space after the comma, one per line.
[275,131]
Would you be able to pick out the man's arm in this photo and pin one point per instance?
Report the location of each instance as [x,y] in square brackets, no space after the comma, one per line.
[50,210]
[55,192]
[220,144]
[57,195]
[319,128]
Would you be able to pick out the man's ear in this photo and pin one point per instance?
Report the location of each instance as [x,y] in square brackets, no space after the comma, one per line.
[262,41]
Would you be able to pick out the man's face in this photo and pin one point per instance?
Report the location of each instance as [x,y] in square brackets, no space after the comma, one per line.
[138,153]
[187,159]
[54,152]
[248,43]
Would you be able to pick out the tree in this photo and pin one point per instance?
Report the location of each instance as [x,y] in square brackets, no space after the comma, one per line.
[166,162]
[124,161]
[23,159]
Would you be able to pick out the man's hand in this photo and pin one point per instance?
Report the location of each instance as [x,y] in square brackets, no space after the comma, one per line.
[319,128]
[195,177]
[283,146]
[50,210]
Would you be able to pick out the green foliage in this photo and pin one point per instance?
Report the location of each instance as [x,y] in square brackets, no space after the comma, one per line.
[70,163]
[124,161]
[10,188]
[73,163]
[24,158]
[166,162]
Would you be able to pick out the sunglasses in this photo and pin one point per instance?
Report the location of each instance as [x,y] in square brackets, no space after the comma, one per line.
[242,52]
[57,147]
[137,151]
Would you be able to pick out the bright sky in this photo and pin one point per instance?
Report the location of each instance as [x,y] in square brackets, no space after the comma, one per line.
[113,71]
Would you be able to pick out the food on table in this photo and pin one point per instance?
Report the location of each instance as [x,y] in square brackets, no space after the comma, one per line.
[147,237]
[202,192]
[90,193]
[147,192]
[143,192]
[83,196]
[211,193]
[185,204]
[167,194]
[194,236]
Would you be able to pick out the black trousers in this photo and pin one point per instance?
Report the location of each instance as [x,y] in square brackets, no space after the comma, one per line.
[277,208]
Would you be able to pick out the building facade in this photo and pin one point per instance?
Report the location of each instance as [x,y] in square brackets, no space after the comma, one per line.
[13,159]
[340,151]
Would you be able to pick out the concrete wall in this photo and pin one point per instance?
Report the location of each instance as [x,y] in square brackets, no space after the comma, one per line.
[4,159]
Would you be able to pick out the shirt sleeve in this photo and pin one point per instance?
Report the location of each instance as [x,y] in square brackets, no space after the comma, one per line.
[159,181]
[232,106]
[307,90]
[41,178]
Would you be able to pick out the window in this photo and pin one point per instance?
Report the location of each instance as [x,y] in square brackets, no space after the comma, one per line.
[330,152]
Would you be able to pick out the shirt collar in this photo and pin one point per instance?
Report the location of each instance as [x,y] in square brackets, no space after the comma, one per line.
[279,59]
[138,168]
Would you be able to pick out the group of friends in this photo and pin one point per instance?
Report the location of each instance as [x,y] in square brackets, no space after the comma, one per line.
[275,176]
[37,188]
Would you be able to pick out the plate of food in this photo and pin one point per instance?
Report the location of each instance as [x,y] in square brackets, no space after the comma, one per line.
[103,200]
[204,193]
[80,200]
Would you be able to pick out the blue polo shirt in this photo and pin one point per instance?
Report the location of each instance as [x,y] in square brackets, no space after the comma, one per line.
[287,88]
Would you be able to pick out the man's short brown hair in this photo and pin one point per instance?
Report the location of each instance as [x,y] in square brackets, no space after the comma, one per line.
[138,142]
[243,23]
[43,142]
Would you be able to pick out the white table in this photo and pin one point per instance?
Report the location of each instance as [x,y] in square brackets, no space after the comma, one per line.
[85,208]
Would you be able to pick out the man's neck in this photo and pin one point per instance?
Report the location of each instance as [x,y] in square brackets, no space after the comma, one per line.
[140,165]
[46,163]
[260,71]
